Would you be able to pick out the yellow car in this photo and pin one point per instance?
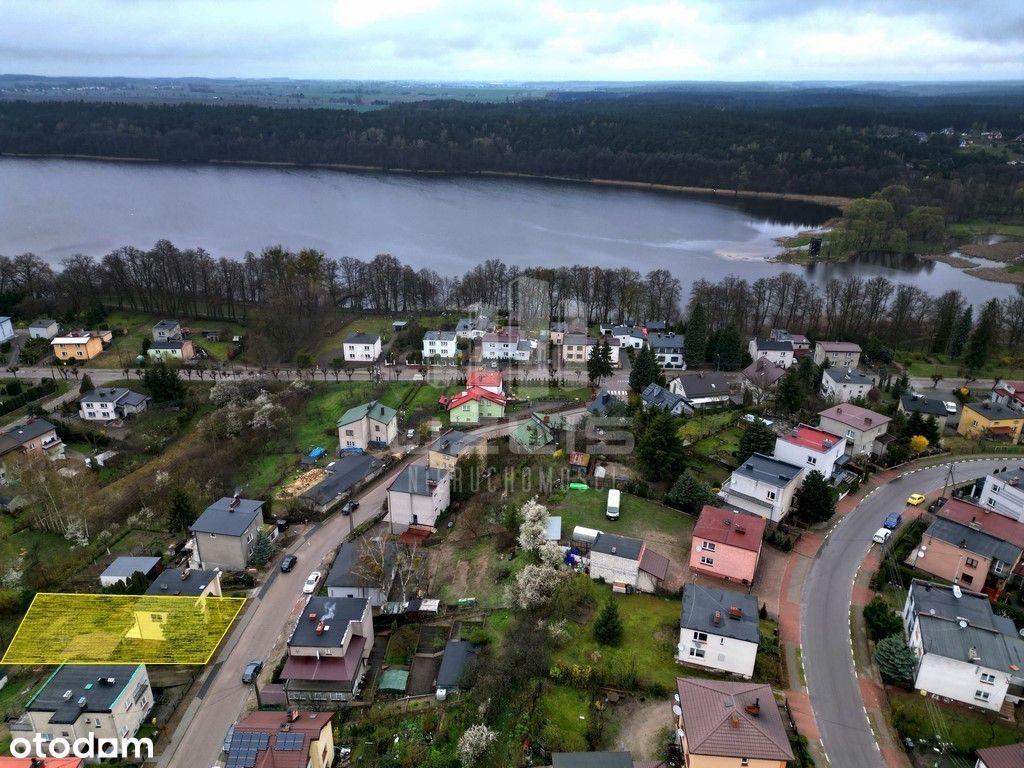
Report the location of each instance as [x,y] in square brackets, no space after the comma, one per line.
[915,499]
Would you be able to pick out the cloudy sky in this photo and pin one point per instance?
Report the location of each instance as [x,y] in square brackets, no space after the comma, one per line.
[518,39]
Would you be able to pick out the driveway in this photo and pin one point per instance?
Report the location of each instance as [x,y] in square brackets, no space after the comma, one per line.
[825,618]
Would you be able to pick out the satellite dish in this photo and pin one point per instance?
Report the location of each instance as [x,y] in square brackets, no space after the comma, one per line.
[675,698]
[677,710]
[1021,632]
[957,592]
[962,623]
[679,732]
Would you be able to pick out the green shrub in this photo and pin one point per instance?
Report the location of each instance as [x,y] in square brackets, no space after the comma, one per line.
[882,621]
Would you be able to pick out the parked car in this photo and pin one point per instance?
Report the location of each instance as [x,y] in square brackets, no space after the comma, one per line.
[892,522]
[350,507]
[288,562]
[916,499]
[881,536]
[228,736]
[410,434]
[950,406]
[252,671]
[310,586]
[936,505]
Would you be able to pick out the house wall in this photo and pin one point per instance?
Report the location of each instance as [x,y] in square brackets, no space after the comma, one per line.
[43,333]
[949,562]
[973,424]
[726,654]
[613,568]
[440,460]
[353,434]
[837,359]
[321,750]
[467,413]
[744,485]
[97,411]
[670,358]
[405,509]
[362,353]
[83,349]
[376,595]
[843,391]
[959,680]
[627,340]
[782,358]
[824,460]
[729,563]
[715,761]
[858,441]
[646,583]
[439,348]
[1003,498]
[230,553]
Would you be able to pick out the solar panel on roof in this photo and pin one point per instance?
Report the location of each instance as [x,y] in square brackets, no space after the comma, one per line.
[288,742]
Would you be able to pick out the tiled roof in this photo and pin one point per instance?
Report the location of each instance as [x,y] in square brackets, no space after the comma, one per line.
[289,739]
[994,411]
[773,345]
[656,396]
[854,416]
[703,384]
[484,379]
[839,346]
[970,540]
[847,376]
[654,563]
[228,518]
[729,527]
[454,443]
[1010,756]
[764,372]
[475,393]
[439,336]
[1000,526]
[667,341]
[812,438]
[929,406]
[374,409]
[363,338]
[702,605]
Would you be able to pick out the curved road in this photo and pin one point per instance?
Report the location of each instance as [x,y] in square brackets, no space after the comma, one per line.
[825,619]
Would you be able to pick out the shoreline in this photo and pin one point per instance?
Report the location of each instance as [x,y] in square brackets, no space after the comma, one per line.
[823,200]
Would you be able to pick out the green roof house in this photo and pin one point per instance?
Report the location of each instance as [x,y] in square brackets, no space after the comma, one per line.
[370,425]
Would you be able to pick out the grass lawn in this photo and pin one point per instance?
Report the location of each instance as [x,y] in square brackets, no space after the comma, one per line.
[639,517]
[916,716]
[532,392]
[130,328]
[60,387]
[693,429]
[565,711]
[722,445]
[918,364]
[968,229]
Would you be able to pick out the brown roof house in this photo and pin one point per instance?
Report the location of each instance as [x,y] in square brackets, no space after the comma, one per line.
[293,739]
[728,724]
[1010,756]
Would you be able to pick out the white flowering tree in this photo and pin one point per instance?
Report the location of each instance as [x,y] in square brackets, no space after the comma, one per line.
[474,744]
[534,525]
[533,587]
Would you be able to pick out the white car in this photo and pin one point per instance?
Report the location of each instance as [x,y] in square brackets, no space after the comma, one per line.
[310,586]
[881,536]
[950,406]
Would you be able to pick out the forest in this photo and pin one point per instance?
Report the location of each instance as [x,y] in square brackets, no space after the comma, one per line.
[832,142]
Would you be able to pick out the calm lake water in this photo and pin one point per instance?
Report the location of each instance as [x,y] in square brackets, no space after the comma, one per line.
[56,208]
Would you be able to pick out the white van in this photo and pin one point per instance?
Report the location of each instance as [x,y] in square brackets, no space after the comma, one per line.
[612,512]
[881,536]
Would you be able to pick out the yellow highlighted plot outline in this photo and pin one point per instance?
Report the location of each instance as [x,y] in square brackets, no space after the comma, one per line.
[121,629]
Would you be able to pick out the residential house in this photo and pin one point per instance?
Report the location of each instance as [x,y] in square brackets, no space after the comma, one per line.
[1010,394]
[965,651]
[560,328]
[167,330]
[603,401]
[928,407]
[77,348]
[727,543]
[620,560]
[841,385]
[535,434]
[439,346]
[813,449]
[988,419]
[453,446]
[418,496]
[226,532]
[489,380]
[172,349]
[186,582]
[655,326]
[701,389]
[761,378]
[344,477]
[34,435]
[292,739]
[1003,527]
[6,329]
[801,344]
[657,397]
[455,673]
[773,351]
[578,348]
[839,354]
[327,652]
[370,425]
[763,486]
[43,328]
[718,630]
[594,760]
[474,404]
[109,403]
[347,578]
[122,568]
[80,701]
[631,336]
[505,346]
[966,555]
[668,350]
[362,347]
[1003,492]
[727,724]
[862,428]
[473,328]
[1009,756]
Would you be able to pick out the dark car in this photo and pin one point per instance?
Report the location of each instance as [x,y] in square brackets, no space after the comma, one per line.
[892,522]
[350,507]
[252,671]
[288,562]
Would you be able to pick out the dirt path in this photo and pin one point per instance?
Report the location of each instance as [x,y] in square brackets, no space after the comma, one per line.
[640,723]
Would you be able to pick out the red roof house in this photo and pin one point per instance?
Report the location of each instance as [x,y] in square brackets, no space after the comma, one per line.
[1001,527]
[293,739]
[489,380]
[727,544]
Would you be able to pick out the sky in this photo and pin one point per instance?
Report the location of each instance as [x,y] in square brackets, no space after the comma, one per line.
[517,40]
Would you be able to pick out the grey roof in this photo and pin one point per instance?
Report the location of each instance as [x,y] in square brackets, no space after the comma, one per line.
[848,376]
[575,339]
[767,469]
[978,542]
[602,402]
[1011,476]
[439,336]
[223,518]
[124,566]
[773,345]
[700,604]
[454,443]
[30,430]
[114,395]
[938,600]
[345,573]
[667,341]
[348,471]
[362,338]
[416,479]
[88,681]
[922,404]
[656,396]
[42,322]
[992,649]
[465,325]
[655,325]
[704,384]
[167,325]
[620,546]
[335,613]
[169,344]
[629,330]
[591,760]
[992,411]
[458,654]
[170,582]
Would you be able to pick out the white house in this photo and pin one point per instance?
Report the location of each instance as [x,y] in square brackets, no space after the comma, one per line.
[472,328]
[107,404]
[505,346]
[811,448]
[43,328]
[1003,492]
[668,350]
[439,345]
[841,385]
[701,389]
[840,354]
[370,425]
[6,329]
[418,496]
[763,486]
[362,347]
[167,330]
[778,351]
[620,560]
[965,651]
[629,336]
[718,630]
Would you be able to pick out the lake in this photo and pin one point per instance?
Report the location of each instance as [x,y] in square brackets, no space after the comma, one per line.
[56,208]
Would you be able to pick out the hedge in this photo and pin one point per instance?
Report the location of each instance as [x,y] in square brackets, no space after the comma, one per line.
[44,388]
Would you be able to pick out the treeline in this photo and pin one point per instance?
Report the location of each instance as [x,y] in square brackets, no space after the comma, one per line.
[801,147]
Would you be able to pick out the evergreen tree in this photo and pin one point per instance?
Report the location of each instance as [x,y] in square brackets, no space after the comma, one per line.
[948,309]
[659,451]
[727,349]
[931,431]
[182,512]
[599,364]
[979,344]
[895,660]
[757,438]
[790,394]
[806,372]
[163,383]
[689,493]
[961,332]
[262,550]
[881,620]
[645,371]
[913,426]
[814,501]
[85,384]
[608,626]
[696,337]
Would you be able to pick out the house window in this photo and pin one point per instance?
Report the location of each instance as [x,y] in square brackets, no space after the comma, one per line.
[697,653]
[771,495]
[981,695]
[987,678]
[971,562]
[349,433]
[812,460]
[708,545]
[744,761]
[701,637]
[991,502]
[967,578]
[849,433]
[213,535]
[248,539]
[705,560]
[998,567]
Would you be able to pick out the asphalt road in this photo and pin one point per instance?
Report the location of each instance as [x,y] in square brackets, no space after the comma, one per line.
[198,738]
[825,619]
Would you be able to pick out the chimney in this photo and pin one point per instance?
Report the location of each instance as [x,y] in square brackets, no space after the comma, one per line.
[312,615]
[735,612]
[755,708]
[734,721]
[717,618]
[320,628]
[293,715]
[185,573]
